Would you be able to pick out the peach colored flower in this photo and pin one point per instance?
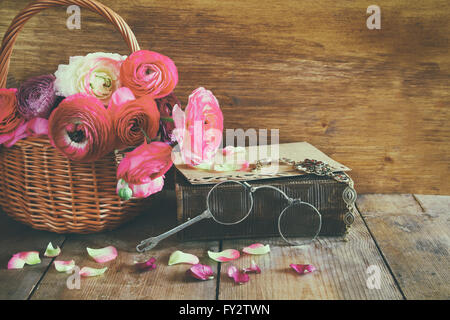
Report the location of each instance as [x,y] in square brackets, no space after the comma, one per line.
[149,73]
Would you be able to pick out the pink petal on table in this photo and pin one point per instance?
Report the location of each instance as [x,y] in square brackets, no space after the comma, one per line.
[201,272]
[225,255]
[103,255]
[64,266]
[18,260]
[257,248]
[92,272]
[237,276]
[303,268]
[253,268]
[30,257]
[147,265]
[15,262]
[181,257]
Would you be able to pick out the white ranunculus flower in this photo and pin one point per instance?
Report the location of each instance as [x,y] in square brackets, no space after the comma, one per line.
[96,74]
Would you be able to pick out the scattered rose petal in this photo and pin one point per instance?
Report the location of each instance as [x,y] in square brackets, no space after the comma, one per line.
[18,260]
[181,257]
[147,265]
[64,266]
[92,272]
[103,255]
[253,268]
[201,272]
[223,256]
[15,262]
[237,276]
[303,268]
[257,248]
[52,252]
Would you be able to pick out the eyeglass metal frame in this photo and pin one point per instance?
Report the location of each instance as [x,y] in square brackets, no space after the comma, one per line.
[151,242]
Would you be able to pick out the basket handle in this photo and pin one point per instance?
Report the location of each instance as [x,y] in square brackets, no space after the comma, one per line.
[37,6]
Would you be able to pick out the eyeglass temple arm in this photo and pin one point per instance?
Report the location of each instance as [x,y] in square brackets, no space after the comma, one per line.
[254,189]
[150,243]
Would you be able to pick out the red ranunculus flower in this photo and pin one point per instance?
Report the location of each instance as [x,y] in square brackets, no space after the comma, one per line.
[81,128]
[133,117]
[9,116]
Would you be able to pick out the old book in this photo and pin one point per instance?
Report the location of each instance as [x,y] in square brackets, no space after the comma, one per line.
[330,197]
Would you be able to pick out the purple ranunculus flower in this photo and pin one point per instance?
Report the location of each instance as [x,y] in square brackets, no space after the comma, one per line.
[36,97]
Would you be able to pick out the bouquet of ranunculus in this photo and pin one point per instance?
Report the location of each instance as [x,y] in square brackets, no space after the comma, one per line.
[104,102]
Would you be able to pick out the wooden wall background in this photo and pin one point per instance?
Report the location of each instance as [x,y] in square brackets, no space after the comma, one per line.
[375,100]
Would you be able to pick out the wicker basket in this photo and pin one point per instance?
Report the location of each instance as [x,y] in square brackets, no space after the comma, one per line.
[43,188]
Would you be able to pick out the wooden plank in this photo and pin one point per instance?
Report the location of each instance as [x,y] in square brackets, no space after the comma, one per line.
[16,237]
[414,237]
[341,271]
[122,280]
[316,72]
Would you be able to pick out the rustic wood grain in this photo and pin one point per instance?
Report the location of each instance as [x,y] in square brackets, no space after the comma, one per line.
[414,236]
[375,100]
[16,237]
[122,280]
[341,270]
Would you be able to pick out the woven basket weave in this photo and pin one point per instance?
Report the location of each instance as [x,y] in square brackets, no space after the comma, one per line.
[41,187]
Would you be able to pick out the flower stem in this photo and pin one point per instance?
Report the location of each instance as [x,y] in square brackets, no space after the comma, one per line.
[146,136]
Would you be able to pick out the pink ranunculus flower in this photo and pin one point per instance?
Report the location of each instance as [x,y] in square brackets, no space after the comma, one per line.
[147,189]
[97,74]
[198,129]
[149,73]
[139,190]
[142,170]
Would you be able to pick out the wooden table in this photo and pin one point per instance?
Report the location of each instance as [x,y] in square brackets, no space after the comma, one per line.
[406,238]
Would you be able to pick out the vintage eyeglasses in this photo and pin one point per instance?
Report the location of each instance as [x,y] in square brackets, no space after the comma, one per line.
[241,202]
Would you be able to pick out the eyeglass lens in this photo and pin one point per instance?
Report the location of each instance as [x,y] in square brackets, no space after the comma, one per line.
[299,223]
[230,202]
